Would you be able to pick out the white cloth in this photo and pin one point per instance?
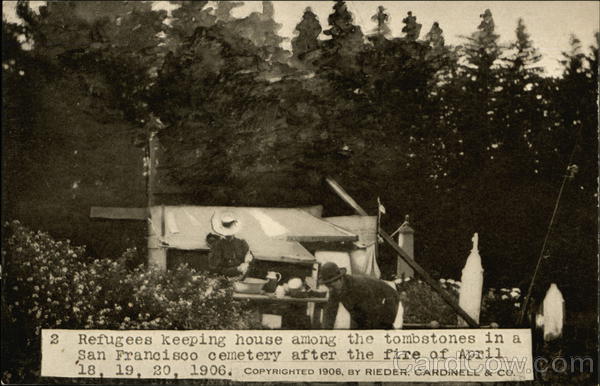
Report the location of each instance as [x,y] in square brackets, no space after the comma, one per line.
[363,261]
[398,322]
[342,259]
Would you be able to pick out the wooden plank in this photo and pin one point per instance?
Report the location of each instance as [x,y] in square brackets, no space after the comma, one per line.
[413,264]
[285,259]
[116,213]
[327,238]
[429,280]
[345,196]
[273,298]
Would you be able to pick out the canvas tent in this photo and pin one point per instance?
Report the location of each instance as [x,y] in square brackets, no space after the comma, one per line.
[362,255]
[273,234]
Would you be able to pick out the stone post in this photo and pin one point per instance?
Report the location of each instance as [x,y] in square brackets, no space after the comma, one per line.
[406,241]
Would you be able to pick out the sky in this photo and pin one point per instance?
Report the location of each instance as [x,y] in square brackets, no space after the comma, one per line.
[549,23]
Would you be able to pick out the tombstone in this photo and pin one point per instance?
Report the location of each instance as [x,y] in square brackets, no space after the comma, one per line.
[553,313]
[471,284]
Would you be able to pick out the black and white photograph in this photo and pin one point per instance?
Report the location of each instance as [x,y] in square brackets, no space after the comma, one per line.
[211,192]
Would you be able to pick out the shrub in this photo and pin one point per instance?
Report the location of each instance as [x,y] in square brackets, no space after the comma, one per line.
[423,305]
[52,284]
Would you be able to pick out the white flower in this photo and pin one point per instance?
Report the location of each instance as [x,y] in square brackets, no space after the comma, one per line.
[517,305]
[442,280]
[450,281]
[504,297]
[208,291]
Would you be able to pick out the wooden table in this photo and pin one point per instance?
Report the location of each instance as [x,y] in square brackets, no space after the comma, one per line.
[315,304]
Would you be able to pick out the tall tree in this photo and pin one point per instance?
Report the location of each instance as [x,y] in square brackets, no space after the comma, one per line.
[307,39]
[477,119]
[411,28]
[520,110]
[382,18]
[525,55]
[482,49]
[262,30]
[435,36]
[189,16]
[345,35]
[339,60]
[577,106]
[224,8]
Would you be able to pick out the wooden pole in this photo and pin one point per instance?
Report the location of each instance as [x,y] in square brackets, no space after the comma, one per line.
[378,227]
[413,264]
[157,254]
[150,168]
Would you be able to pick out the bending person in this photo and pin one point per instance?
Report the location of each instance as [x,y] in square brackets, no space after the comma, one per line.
[372,303]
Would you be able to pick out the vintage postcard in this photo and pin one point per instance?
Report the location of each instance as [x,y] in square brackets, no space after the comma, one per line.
[299,191]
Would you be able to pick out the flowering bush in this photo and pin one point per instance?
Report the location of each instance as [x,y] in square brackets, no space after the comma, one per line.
[52,284]
[501,306]
[423,305]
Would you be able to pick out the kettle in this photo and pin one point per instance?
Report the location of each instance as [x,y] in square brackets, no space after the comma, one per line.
[273,280]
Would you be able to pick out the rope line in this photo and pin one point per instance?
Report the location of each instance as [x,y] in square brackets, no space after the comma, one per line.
[548,231]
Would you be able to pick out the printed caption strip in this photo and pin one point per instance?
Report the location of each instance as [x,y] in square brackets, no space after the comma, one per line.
[495,355]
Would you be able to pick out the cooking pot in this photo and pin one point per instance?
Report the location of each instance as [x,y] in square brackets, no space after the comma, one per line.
[249,285]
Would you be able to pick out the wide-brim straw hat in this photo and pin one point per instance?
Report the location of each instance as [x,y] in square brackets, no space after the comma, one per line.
[226,223]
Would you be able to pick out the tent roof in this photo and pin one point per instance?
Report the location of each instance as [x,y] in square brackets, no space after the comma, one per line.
[363,226]
[271,233]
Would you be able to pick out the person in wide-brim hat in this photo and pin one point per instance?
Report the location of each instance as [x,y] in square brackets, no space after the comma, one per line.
[228,254]
[226,223]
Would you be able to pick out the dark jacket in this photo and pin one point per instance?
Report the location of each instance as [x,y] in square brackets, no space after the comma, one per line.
[226,255]
[371,302]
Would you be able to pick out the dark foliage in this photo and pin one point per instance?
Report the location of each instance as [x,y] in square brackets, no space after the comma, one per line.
[465,139]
